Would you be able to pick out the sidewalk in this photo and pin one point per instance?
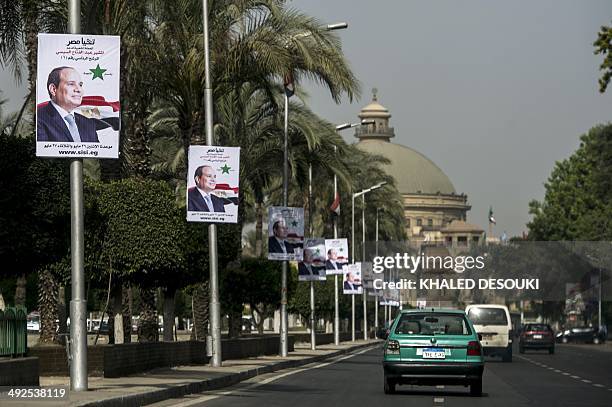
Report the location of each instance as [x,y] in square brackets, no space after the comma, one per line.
[162,384]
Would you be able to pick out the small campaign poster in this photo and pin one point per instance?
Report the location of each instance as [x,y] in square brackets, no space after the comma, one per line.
[352,279]
[312,267]
[212,184]
[77,96]
[336,251]
[285,233]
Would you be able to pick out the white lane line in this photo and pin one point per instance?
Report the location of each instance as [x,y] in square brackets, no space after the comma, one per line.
[557,371]
[598,385]
[575,377]
[586,381]
[565,374]
[208,397]
[438,399]
[440,386]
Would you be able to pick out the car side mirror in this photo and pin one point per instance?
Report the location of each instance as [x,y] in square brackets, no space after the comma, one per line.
[480,337]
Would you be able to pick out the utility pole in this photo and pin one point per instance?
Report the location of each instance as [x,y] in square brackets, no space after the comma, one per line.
[78,302]
[215,309]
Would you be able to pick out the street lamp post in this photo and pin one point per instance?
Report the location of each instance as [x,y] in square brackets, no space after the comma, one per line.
[376,296]
[355,195]
[284,323]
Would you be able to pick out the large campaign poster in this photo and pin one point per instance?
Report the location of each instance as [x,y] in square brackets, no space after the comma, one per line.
[285,233]
[212,184]
[312,267]
[77,96]
[351,280]
[336,251]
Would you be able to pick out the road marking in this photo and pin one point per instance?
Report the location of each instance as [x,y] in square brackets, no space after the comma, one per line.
[557,371]
[575,377]
[565,374]
[438,399]
[598,385]
[440,386]
[208,397]
[586,381]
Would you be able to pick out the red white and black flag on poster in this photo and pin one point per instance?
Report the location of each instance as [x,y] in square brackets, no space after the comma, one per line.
[335,206]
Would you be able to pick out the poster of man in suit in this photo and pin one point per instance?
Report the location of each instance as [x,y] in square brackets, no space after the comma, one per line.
[285,233]
[337,255]
[352,279]
[77,96]
[312,268]
[212,184]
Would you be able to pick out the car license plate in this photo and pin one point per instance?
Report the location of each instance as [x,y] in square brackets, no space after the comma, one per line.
[433,353]
[537,336]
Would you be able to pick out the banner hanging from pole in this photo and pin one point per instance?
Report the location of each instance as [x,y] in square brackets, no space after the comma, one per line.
[312,268]
[212,184]
[77,96]
[285,233]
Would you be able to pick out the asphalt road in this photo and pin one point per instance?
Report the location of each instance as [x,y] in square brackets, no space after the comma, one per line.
[573,376]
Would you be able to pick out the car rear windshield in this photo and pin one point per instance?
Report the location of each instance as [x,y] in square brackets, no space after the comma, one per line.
[488,316]
[432,324]
[537,327]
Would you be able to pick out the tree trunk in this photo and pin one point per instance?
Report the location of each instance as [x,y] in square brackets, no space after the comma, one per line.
[47,305]
[259,229]
[235,323]
[200,305]
[169,304]
[62,313]
[20,290]
[147,328]
[117,311]
[126,297]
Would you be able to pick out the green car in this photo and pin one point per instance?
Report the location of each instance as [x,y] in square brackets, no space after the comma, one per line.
[433,347]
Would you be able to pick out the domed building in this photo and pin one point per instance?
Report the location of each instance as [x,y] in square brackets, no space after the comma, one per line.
[434,211]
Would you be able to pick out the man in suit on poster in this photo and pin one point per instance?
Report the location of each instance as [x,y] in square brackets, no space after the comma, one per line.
[277,243]
[200,197]
[58,119]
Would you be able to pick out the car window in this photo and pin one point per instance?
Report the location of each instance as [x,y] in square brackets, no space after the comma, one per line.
[537,327]
[432,324]
[488,316]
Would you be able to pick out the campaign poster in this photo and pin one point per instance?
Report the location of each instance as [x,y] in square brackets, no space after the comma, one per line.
[351,279]
[77,96]
[312,267]
[212,184]
[336,251]
[285,233]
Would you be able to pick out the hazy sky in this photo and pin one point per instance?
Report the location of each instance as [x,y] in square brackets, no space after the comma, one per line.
[494,92]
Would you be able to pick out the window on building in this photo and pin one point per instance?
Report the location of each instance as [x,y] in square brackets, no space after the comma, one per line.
[475,240]
[429,222]
[408,222]
[419,222]
[462,241]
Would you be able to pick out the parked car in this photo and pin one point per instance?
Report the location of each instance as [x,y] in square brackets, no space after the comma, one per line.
[433,347]
[586,334]
[33,322]
[494,324]
[537,336]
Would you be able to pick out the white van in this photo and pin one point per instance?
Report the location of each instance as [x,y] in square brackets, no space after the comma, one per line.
[493,323]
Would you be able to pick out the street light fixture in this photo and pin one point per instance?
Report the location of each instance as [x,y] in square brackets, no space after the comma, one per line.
[339,128]
[284,323]
[355,195]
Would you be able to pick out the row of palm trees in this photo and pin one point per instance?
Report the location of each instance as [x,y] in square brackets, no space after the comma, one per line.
[255,45]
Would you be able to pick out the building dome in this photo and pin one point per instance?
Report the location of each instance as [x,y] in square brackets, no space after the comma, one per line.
[412,171]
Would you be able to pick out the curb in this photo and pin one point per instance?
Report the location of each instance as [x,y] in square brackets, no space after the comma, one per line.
[154,396]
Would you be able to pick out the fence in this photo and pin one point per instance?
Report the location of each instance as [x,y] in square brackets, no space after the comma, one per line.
[13,332]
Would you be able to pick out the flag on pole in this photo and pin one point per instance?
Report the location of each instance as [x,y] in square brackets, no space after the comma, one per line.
[491,218]
[335,206]
[289,86]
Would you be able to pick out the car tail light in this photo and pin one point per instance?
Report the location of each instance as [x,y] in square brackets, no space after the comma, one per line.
[474,349]
[393,348]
